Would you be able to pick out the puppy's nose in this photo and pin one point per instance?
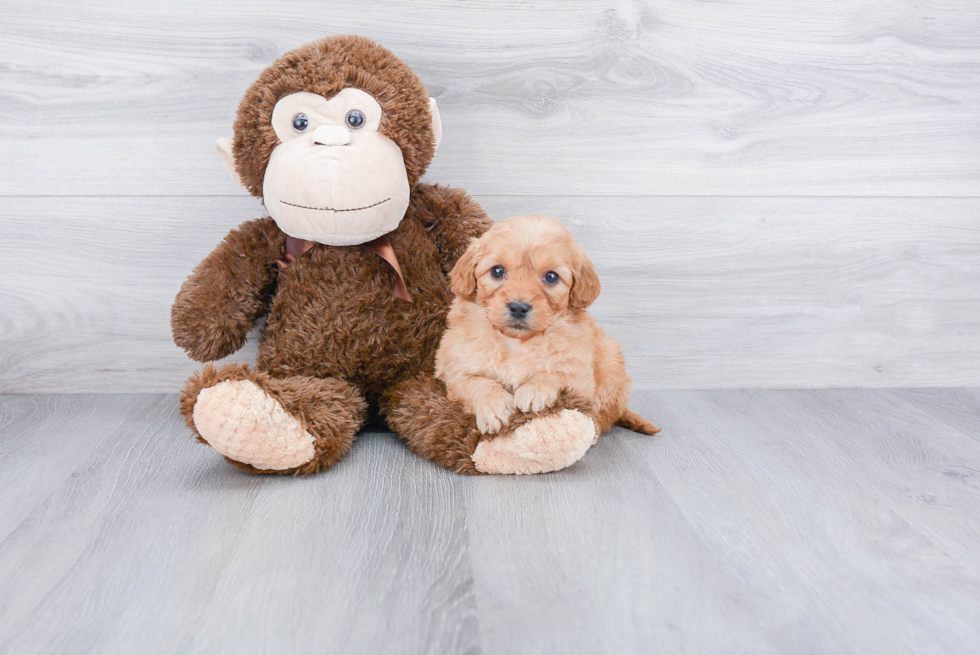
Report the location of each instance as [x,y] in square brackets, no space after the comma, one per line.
[331,135]
[518,308]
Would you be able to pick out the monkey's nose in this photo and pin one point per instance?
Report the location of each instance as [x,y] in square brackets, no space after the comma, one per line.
[331,135]
[518,309]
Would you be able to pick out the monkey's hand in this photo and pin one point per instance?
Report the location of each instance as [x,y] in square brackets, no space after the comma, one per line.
[227,292]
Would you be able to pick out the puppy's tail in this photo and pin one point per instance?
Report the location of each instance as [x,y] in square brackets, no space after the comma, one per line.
[636,423]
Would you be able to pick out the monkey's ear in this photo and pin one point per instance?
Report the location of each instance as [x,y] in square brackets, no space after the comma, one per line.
[462,279]
[436,121]
[228,160]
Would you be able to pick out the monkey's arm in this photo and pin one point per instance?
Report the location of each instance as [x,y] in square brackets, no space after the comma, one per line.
[228,291]
[452,218]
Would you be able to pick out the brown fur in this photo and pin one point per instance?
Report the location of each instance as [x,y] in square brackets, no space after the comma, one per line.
[441,430]
[227,292]
[331,410]
[331,314]
[337,346]
[336,343]
[493,363]
[325,67]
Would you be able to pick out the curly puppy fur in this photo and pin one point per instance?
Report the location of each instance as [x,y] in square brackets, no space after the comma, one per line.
[335,339]
[519,333]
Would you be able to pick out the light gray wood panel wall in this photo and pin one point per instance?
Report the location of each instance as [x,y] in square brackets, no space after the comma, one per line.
[847,130]
[746,97]
[702,292]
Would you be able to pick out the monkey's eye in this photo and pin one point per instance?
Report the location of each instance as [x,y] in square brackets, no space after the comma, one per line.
[497,272]
[300,122]
[551,277]
[355,119]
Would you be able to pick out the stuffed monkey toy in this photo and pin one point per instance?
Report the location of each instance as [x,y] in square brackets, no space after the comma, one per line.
[350,268]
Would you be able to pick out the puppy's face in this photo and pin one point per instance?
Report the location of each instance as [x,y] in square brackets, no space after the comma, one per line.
[526,272]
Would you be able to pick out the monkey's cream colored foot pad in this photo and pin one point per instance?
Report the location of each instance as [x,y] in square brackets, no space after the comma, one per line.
[539,446]
[244,423]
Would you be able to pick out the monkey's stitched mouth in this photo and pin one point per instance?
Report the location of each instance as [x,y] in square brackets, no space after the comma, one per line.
[331,209]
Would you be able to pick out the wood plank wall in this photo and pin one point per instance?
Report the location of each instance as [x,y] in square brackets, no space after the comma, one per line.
[776,194]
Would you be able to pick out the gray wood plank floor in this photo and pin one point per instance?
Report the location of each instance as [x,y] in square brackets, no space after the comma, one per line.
[830,521]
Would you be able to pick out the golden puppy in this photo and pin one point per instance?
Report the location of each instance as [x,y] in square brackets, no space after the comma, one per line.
[518,333]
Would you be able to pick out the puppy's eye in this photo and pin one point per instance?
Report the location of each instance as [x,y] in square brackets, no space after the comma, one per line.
[300,122]
[551,277]
[497,272]
[355,119]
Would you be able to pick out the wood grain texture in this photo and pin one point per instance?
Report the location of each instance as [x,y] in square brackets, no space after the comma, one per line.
[33,464]
[747,97]
[903,443]
[593,561]
[959,408]
[153,544]
[827,507]
[702,292]
[372,558]
[759,521]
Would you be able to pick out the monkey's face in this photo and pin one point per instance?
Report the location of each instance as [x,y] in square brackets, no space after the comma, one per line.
[334,178]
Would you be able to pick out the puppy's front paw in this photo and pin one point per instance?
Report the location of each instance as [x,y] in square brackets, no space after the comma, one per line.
[534,397]
[494,412]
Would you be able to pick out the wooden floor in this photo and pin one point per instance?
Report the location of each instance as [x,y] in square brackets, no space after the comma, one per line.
[833,521]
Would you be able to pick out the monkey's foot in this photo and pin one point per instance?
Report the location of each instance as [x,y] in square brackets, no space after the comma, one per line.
[244,423]
[541,445]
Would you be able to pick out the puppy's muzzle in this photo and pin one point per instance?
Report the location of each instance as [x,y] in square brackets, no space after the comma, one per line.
[518,309]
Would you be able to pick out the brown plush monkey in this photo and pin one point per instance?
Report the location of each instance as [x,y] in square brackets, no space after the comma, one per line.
[351,269]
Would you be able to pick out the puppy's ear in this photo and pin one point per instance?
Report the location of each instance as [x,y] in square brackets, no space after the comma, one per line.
[462,278]
[585,281]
